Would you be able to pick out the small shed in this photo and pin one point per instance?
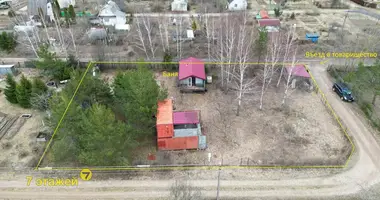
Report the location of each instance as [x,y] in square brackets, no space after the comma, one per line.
[269,22]
[97,34]
[5,69]
[312,37]
[299,74]
[192,75]
[179,5]
[271,25]
[263,14]
[186,124]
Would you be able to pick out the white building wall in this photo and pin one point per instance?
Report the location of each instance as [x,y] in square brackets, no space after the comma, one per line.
[238,5]
[179,6]
[109,21]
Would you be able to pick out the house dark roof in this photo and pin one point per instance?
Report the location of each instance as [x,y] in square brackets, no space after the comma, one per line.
[191,67]
[269,22]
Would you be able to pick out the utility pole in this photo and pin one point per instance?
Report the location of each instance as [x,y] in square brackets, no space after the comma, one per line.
[217,191]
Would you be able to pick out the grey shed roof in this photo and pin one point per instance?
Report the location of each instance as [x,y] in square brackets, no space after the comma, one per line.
[97,34]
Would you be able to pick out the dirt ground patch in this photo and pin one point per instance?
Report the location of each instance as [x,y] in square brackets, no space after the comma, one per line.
[302,133]
[20,149]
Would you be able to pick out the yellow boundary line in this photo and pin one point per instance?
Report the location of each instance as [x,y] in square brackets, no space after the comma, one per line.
[335,116]
[63,115]
[191,167]
[206,63]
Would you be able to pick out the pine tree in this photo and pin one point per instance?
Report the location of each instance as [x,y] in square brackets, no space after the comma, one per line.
[7,42]
[194,26]
[66,16]
[72,13]
[3,38]
[39,86]
[24,92]
[10,90]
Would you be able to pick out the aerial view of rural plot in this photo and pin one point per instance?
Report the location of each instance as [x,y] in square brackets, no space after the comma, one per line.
[158,111]
[190,99]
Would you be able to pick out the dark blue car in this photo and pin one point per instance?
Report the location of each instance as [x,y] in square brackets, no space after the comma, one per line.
[343,91]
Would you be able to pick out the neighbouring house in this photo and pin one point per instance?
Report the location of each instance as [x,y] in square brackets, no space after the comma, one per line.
[5,4]
[299,76]
[237,4]
[271,25]
[313,37]
[46,7]
[192,75]
[178,130]
[111,14]
[5,69]
[66,3]
[263,14]
[34,5]
[179,5]
[186,35]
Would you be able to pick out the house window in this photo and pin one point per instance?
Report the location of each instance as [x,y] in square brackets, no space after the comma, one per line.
[235,5]
[106,19]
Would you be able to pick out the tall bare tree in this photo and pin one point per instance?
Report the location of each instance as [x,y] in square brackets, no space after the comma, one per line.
[289,44]
[145,28]
[241,82]
[271,59]
[164,34]
[225,50]
[289,78]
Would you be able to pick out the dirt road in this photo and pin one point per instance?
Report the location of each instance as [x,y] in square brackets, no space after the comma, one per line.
[362,173]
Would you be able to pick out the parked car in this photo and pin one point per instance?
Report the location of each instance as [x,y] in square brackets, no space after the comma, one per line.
[343,91]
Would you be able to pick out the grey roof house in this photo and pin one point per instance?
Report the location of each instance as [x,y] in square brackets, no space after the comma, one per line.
[237,4]
[111,14]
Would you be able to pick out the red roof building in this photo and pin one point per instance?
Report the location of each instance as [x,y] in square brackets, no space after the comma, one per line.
[264,14]
[192,75]
[269,22]
[191,67]
[185,117]
[164,119]
[298,70]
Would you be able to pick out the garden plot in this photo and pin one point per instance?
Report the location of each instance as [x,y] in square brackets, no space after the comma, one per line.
[302,133]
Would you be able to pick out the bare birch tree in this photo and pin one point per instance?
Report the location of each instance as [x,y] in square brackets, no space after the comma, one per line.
[164,34]
[289,78]
[289,43]
[149,28]
[28,33]
[271,60]
[146,39]
[226,47]
[242,84]
[141,45]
